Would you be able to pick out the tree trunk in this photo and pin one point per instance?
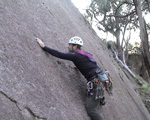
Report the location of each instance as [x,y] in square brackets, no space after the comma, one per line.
[127,47]
[143,35]
[119,48]
[123,63]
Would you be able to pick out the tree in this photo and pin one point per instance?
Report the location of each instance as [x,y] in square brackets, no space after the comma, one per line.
[143,35]
[114,18]
[117,16]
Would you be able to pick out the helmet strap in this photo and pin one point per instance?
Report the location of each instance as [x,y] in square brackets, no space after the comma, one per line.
[73,50]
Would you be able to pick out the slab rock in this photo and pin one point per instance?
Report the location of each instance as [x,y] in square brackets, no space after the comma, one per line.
[37,86]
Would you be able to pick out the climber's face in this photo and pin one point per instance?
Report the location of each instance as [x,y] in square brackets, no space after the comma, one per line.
[72,48]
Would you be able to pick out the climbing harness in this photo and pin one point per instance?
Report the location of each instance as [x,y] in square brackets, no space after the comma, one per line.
[97,84]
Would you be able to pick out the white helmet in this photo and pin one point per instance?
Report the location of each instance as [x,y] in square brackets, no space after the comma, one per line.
[76,40]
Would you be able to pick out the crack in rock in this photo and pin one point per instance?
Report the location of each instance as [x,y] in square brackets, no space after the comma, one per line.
[34,115]
[27,108]
[11,99]
[121,77]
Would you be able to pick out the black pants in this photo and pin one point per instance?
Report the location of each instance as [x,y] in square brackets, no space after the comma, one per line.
[93,108]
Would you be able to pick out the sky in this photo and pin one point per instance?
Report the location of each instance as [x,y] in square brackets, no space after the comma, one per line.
[83,4]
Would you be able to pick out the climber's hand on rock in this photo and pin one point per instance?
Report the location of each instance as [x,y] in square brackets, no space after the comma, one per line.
[42,45]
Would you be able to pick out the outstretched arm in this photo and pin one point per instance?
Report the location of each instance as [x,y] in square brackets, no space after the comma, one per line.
[67,56]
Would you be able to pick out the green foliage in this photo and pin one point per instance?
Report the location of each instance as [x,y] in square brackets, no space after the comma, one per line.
[113,15]
[116,17]
[103,5]
[134,49]
[137,78]
[144,88]
[130,46]
[108,14]
[104,41]
[142,96]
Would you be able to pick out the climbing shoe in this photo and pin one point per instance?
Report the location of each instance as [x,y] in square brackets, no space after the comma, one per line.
[102,101]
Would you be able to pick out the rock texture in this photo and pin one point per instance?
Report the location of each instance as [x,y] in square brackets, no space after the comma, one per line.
[37,86]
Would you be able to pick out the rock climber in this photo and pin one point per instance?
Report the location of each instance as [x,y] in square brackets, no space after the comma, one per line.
[88,68]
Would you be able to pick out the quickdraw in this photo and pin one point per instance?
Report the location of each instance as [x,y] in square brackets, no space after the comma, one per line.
[89,88]
[108,83]
[108,87]
[98,89]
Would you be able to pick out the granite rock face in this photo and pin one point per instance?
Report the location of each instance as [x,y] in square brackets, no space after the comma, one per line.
[37,86]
